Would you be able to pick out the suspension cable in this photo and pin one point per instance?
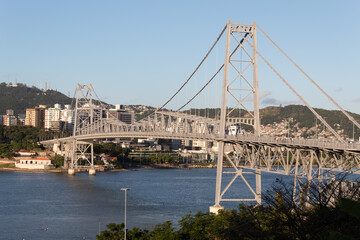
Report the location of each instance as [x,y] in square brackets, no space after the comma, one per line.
[196,69]
[233,52]
[201,89]
[298,95]
[312,81]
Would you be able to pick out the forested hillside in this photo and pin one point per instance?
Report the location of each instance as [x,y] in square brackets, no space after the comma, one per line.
[21,97]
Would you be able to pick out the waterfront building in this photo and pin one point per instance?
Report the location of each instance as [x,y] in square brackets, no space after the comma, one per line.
[34,163]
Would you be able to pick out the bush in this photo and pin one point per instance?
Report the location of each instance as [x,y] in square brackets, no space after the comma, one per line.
[327,215]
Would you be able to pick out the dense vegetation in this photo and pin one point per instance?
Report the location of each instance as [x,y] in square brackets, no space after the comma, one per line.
[127,159]
[20,137]
[278,218]
[21,97]
[111,149]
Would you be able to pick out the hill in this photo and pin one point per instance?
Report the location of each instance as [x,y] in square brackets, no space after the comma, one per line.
[305,118]
[21,97]
[299,113]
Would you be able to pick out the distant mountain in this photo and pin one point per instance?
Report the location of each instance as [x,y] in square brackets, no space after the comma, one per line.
[21,97]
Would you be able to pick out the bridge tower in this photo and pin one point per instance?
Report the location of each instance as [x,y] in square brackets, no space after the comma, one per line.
[235,75]
[86,114]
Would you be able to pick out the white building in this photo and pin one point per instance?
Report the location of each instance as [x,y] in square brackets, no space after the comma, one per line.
[34,163]
[56,117]
[68,116]
[52,115]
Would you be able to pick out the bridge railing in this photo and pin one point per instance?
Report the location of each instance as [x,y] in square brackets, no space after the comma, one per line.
[297,142]
[200,130]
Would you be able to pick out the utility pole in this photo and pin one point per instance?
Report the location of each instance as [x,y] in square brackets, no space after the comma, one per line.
[125,190]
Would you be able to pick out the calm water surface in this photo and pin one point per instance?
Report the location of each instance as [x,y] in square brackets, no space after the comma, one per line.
[73,207]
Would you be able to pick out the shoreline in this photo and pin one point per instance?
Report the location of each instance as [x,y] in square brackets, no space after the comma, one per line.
[57,170]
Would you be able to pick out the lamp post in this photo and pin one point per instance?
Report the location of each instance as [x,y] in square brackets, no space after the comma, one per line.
[125,190]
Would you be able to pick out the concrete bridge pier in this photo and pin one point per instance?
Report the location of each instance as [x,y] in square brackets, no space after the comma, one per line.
[215,209]
[71,171]
[92,171]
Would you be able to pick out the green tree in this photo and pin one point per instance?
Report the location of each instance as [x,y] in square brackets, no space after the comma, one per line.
[164,231]
[58,161]
[326,216]
[115,232]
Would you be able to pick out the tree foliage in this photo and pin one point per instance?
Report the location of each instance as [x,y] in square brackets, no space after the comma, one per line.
[20,137]
[163,158]
[326,216]
[21,97]
[111,149]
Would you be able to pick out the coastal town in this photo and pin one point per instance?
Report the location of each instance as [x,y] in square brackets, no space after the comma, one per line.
[58,120]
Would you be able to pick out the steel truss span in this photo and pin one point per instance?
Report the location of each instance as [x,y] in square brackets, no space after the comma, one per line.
[246,153]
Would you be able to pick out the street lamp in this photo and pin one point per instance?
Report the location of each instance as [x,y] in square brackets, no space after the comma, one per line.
[125,190]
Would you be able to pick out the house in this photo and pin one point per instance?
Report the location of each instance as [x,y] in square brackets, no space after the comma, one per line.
[34,163]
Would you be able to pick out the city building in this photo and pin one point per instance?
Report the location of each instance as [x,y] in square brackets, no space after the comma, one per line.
[52,118]
[9,119]
[68,116]
[35,116]
[21,119]
[121,114]
[9,112]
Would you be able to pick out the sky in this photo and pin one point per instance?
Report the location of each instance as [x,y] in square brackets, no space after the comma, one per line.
[140,52]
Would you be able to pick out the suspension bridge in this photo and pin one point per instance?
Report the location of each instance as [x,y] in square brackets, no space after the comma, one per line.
[250,152]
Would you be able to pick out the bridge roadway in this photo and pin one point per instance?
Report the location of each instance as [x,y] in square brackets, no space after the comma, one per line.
[294,143]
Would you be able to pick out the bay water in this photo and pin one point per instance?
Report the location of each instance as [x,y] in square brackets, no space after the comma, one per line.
[43,205]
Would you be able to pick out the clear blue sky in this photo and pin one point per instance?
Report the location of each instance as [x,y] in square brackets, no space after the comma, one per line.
[140,52]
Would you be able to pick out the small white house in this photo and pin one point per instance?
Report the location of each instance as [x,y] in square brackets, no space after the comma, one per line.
[34,163]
